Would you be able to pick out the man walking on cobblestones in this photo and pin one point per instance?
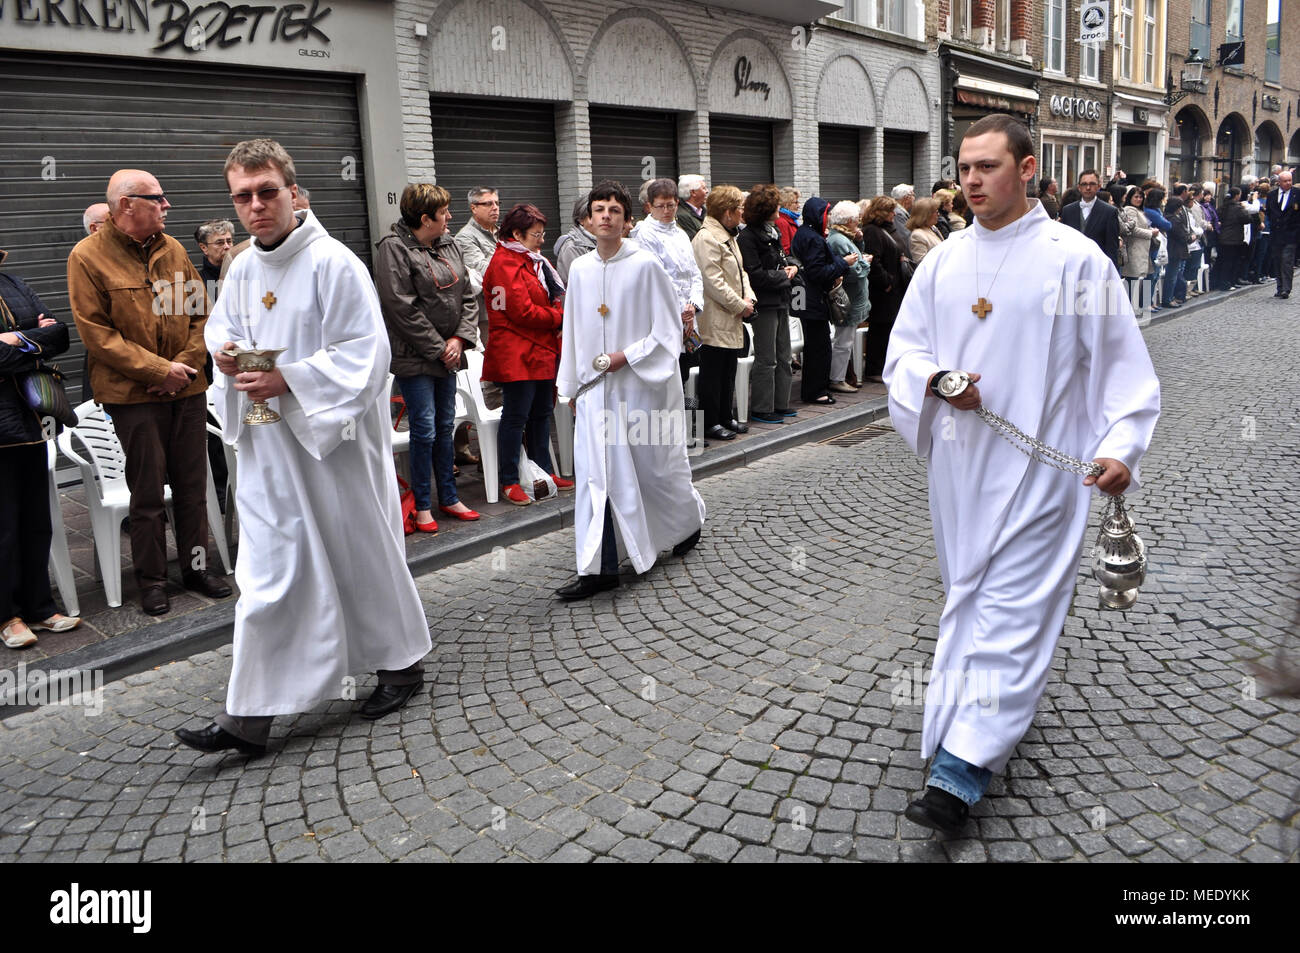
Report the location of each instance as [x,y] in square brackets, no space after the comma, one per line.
[1062,360]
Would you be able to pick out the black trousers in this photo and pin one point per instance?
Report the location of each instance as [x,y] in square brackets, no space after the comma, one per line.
[1231,260]
[815,377]
[1284,265]
[24,534]
[717,384]
[884,311]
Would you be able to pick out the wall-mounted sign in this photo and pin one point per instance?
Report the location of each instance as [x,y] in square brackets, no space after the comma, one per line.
[1094,21]
[1271,103]
[1141,115]
[744,84]
[1073,107]
[175,24]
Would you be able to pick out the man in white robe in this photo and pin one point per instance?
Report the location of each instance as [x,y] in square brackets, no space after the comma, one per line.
[634,489]
[1059,355]
[325,593]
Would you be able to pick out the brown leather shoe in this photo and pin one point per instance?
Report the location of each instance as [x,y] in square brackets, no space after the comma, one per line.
[154,601]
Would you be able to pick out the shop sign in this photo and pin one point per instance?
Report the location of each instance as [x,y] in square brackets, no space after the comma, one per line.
[176,24]
[1271,103]
[1073,107]
[743,72]
[1094,21]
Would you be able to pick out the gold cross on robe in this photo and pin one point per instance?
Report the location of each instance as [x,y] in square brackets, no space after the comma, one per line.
[268,299]
[604,311]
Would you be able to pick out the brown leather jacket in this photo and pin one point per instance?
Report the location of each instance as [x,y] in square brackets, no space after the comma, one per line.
[136,313]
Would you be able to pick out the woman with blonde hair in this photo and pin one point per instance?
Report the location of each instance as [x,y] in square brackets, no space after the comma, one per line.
[922,228]
[728,301]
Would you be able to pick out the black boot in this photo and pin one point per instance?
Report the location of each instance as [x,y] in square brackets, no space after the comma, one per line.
[686,545]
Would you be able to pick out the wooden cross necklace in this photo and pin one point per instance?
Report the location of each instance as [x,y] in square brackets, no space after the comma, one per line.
[983,306]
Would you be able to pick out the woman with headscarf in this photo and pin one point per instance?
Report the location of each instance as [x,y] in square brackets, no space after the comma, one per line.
[822,271]
[524,298]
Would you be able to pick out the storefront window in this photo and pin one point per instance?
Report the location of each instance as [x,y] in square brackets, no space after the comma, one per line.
[1201,27]
[1064,160]
[1054,36]
[1126,39]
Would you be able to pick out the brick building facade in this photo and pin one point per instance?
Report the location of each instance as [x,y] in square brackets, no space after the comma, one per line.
[1238,119]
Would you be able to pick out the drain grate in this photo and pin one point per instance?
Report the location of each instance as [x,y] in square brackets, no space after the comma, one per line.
[854,437]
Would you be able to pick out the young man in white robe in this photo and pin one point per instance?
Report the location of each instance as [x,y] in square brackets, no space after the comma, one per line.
[1032,311]
[324,589]
[622,335]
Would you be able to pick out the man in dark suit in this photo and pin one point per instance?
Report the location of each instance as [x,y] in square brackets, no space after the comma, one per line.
[1283,211]
[1098,220]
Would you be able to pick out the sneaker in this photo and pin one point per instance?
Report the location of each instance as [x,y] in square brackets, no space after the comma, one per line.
[562,484]
[514,493]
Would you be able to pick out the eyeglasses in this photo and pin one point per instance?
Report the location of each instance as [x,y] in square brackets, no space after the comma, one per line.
[266,195]
[158,197]
[536,234]
[664,207]
[437,281]
[495,202]
[220,241]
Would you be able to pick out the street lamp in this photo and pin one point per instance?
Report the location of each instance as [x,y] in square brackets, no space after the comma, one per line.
[1194,67]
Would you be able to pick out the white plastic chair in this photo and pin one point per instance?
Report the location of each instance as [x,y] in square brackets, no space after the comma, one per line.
[859,353]
[109,500]
[469,383]
[744,366]
[60,561]
[796,337]
[564,435]
[232,468]
[1203,277]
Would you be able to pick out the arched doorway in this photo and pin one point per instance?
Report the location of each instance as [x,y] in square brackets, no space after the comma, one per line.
[1293,150]
[1192,129]
[1268,147]
[1231,145]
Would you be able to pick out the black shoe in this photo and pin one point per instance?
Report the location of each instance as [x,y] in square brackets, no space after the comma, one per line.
[719,432]
[762,418]
[586,586]
[215,738]
[686,545]
[738,427]
[154,601]
[388,698]
[208,583]
[1285,295]
[939,811]
[786,412]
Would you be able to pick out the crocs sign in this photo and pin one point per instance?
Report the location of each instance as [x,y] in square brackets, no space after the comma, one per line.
[1074,107]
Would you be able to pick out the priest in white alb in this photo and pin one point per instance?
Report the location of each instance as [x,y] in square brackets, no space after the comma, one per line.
[621,340]
[325,594]
[1027,317]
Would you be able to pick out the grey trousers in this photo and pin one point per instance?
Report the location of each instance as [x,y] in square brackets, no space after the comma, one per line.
[769,379]
[841,351]
[256,729]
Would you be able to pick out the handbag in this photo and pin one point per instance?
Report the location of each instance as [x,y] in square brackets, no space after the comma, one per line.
[408,506]
[41,389]
[1123,253]
[840,306]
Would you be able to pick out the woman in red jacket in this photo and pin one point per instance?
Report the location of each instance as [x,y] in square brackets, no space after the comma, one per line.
[525,304]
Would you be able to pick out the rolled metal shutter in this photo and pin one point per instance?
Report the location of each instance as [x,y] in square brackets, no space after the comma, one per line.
[838,163]
[622,142]
[70,122]
[740,152]
[898,160]
[504,144]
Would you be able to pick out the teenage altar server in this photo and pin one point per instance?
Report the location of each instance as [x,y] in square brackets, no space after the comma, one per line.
[1060,356]
[324,590]
[618,357]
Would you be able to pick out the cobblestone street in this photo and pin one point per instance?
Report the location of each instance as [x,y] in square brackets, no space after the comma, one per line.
[743,704]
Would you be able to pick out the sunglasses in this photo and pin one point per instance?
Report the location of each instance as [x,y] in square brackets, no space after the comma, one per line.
[266,195]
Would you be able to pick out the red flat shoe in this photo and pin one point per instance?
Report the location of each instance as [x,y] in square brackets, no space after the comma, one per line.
[466,515]
[429,527]
[561,483]
[514,493]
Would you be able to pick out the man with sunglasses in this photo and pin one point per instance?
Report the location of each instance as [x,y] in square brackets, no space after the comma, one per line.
[324,592]
[140,308]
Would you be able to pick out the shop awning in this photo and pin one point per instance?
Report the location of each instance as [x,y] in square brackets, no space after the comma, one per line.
[787,11]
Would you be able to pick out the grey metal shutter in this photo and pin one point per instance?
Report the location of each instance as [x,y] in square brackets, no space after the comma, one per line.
[898,161]
[838,162]
[71,121]
[623,139]
[505,144]
[740,152]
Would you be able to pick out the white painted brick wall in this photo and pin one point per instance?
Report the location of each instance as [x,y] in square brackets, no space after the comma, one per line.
[579,51]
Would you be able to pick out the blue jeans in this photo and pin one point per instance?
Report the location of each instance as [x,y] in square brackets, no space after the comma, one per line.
[959,778]
[526,408]
[1173,272]
[1191,268]
[431,404]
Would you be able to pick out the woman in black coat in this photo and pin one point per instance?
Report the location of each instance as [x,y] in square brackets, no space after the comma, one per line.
[27,333]
[770,275]
[1233,247]
[885,282]
[821,270]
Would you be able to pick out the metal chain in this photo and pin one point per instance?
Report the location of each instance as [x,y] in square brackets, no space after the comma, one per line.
[1036,449]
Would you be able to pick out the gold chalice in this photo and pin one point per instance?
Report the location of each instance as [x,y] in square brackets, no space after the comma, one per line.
[257,359]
